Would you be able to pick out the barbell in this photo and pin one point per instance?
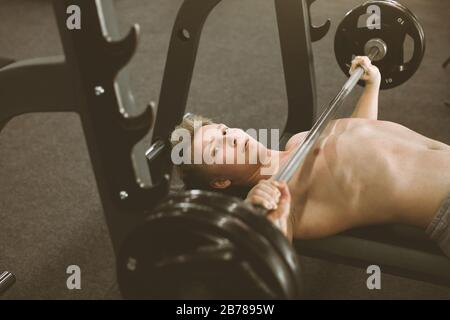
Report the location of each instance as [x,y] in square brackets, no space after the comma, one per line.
[205,245]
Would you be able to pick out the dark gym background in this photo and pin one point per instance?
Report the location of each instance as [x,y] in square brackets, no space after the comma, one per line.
[50,212]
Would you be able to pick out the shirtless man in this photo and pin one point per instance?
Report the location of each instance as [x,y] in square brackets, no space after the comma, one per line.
[362,171]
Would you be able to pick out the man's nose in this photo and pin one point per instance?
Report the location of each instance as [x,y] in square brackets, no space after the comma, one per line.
[235,141]
[233,136]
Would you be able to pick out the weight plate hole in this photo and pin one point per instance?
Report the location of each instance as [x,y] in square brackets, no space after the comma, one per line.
[408,49]
[362,21]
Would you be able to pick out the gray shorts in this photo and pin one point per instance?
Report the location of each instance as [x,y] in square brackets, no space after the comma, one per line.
[439,228]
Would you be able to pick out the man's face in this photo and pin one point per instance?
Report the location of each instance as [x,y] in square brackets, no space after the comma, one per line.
[226,152]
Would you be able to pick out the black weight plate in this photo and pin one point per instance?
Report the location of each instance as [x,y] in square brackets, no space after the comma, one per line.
[246,212]
[207,215]
[396,23]
[236,207]
[260,254]
[281,244]
[168,236]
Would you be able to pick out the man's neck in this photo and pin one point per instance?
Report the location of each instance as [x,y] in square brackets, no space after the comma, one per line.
[274,161]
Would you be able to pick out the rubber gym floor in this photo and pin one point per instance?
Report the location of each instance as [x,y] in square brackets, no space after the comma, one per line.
[50,211]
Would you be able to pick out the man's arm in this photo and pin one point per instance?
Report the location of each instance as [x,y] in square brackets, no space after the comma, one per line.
[275,197]
[296,140]
[367,106]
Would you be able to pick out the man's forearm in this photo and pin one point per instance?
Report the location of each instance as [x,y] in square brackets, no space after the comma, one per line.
[367,106]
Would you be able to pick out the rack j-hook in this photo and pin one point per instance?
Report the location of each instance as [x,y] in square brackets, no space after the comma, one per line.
[317,32]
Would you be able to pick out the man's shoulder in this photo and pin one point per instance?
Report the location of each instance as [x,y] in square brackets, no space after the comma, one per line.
[296,140]
[339,126]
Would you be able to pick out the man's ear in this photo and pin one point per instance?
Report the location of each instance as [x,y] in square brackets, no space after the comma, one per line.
[220,183]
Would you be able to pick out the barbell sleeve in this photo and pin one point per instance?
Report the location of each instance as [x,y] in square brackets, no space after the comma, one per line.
[155,150]
[158,146]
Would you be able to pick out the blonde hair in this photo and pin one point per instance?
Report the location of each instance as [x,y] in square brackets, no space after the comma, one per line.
[191,174]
